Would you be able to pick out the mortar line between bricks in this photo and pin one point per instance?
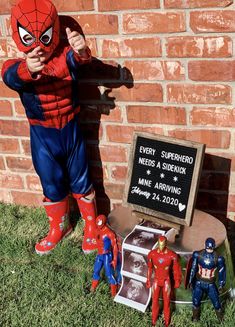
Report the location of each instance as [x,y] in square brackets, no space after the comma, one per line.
[173,126]
[232,181]
[233,40]
[120,24]
[161,35]
[119,164]
[99,48]
[233,94]
[122,11]
[172,104]
[123,113]
[25,185]
[96,7]
[5,162]
[190,33]
[18,155]
[14,137]
[149,10]
[201,9]
[187,21]
[196,127]
[188,111]
[232,141]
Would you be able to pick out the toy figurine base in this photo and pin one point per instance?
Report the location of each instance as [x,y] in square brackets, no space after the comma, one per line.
[122,220]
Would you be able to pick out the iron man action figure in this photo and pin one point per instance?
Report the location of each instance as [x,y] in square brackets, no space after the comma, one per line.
[107,255]
[162,261]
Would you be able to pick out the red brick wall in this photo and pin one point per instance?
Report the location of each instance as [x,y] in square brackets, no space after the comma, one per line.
[170,66]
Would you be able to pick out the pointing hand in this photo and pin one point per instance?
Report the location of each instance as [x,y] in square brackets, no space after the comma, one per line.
[76,41]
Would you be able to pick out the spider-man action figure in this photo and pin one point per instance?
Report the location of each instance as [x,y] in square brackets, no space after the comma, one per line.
[162,262]
[205,263]
[46,82]
[107,254]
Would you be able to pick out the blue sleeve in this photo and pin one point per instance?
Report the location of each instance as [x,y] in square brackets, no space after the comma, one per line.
[107,243]
[194,266]
[11,77]
[221,271]
[72,63]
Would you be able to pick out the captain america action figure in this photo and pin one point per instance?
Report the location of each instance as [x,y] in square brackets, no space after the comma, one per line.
[46,80]
[205,264]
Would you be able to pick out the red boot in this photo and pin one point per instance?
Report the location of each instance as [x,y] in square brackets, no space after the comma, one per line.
[87,207]
[60,227]
[94,285]
[113,289]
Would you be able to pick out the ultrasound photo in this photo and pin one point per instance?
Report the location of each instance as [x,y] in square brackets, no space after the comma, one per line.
[135,263]
[135,249]
[142,238]
[134,290]
[151,224]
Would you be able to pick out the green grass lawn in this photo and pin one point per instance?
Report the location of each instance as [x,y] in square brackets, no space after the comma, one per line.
[53,290]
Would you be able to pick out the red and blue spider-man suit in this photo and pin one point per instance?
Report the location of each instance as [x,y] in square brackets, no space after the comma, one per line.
[107,255]
[50,99]
[162,261]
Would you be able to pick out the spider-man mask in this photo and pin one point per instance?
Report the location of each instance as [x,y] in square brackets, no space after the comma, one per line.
[35,23]
[101,221]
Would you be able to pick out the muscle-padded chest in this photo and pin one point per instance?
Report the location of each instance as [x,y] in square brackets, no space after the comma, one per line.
[208,261]
[103,242]
[162,262]
[52,99]
[54,88]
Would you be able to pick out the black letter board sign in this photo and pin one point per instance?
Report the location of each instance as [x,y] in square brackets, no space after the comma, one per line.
[163,176]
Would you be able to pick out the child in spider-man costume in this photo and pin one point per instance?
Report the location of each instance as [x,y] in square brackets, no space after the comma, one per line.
[107,255]
[162,262]
[46,82]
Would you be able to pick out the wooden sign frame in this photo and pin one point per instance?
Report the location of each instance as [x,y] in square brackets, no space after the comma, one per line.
[200,149]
